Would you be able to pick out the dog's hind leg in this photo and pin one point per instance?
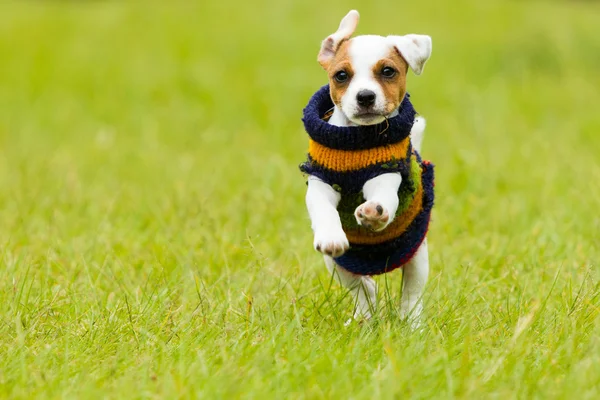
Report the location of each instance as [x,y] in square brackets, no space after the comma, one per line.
[414,278]
[417,133]
[362,288]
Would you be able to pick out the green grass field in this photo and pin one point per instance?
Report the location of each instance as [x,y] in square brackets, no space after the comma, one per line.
[154,241]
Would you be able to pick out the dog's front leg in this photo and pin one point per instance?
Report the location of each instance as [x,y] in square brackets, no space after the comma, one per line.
[376,213]
[321,202]
[381,195]
[330,239]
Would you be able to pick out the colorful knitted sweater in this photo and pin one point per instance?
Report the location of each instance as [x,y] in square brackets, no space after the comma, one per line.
[347,157]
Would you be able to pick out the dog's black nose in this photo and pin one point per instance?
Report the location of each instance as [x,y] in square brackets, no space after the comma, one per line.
[365,98]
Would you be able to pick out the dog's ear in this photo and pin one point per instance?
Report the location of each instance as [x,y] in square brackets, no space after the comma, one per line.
[332,42]
[415,49]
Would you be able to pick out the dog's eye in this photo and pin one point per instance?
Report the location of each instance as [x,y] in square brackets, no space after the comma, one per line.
[388,72]
[341,76]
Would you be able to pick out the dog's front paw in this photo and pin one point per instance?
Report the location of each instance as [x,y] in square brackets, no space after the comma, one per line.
[331,242]
[372,215]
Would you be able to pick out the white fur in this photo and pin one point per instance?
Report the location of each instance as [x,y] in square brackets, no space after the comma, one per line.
[321,202]
[363,289]
[415,49]
[417,132]
[377,192]
[322,199]
[415,275]
[332,42]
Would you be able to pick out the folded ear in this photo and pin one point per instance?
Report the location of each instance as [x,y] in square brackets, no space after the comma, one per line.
[415,49]
[332,42]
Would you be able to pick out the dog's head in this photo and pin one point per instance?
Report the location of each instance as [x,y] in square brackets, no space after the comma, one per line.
[367,74]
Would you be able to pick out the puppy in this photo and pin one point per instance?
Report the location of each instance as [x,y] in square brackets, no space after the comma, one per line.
[369,193]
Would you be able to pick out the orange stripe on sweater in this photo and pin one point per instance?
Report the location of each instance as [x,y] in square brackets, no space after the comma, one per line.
[350,160]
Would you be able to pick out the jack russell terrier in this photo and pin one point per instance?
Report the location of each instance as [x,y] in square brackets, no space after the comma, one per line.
[369,192]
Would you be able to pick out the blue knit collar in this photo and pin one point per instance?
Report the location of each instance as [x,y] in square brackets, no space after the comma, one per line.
[355,137]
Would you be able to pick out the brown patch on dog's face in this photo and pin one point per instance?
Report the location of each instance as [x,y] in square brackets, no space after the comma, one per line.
[390,73]
[340,67]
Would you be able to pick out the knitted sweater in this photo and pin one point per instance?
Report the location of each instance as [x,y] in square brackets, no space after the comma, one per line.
[346,158]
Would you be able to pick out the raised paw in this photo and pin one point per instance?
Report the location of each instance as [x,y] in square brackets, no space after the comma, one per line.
[331,242]
[372,215]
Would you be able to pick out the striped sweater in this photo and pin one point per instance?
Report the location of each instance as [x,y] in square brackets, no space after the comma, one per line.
[346,158]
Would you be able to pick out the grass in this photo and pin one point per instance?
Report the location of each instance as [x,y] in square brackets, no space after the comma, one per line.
[154,241]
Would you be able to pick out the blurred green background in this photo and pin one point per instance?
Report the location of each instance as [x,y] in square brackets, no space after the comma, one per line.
[154,239]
